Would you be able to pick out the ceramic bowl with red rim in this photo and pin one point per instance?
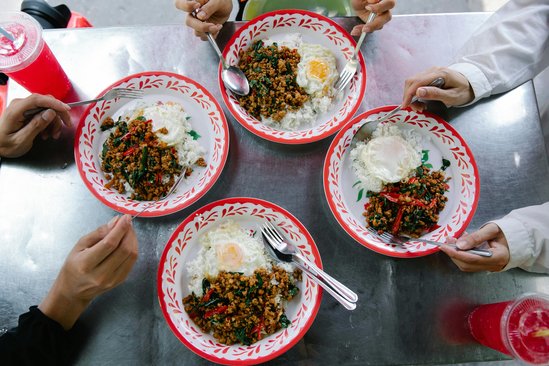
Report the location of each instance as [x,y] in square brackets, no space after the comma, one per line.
[439,141]
[183,247]
[314,29]
[206,118]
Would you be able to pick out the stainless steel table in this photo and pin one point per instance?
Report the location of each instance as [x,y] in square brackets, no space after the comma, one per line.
[410,310]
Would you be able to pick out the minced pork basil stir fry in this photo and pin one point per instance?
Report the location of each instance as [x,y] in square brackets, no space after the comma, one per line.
[134,155]
[243,309]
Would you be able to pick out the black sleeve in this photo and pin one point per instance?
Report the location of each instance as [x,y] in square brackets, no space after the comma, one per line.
[37,340]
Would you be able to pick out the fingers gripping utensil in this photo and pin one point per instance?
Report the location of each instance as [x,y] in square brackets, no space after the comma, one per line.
[365,131]
[287,252]
[352,65]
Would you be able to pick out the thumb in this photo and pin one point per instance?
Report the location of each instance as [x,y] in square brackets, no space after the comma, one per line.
[38,124]
[485,233]
[433,93]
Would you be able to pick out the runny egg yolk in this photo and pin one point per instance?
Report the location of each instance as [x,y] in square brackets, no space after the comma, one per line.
[229,256]
[317,69]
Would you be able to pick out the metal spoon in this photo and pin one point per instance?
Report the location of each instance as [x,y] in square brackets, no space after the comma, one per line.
[365,131]
[277,255]
[233,78]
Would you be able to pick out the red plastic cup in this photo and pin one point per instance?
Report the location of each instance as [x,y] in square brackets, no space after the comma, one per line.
[518,328]
[27,59]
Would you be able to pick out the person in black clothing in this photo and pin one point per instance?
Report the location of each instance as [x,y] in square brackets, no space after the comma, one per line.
[212,14]
[97,263]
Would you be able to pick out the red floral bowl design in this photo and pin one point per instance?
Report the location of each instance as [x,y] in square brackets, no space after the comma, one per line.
[183,246]
[442,141]
[316,29]
[207,119]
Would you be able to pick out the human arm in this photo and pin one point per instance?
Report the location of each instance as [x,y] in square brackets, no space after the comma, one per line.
[98,262]
[363,8]
[37,340]
[17,135]
[511,47]
[210,15]
[520,239]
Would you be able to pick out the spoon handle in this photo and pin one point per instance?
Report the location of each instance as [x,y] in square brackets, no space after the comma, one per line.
[217,50]
[338,286]
[343,301]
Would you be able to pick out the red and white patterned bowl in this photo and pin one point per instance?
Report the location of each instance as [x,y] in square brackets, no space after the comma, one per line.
[183,247]
[442,141]
[315,29]
[207,119]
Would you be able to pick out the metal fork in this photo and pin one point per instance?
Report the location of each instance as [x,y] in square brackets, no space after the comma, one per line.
[277,241]
[400,240]
[111,94]
[350,67]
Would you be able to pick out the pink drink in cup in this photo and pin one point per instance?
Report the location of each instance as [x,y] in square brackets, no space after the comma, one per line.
[518,328]
[28,60]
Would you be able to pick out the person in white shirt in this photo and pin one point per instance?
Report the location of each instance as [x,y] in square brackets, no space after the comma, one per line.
[511,48]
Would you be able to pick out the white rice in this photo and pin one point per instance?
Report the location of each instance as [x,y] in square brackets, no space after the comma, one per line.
[207,264]
[303,117]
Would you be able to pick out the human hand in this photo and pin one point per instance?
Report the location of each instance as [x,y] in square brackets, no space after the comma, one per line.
[363,8]
[467,262]
[210,15]
[98,262]
[17,135]
[456,90]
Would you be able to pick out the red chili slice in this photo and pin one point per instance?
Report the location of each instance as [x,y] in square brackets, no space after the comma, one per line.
[398,219]
[218,310]
[208,294]
[258,328]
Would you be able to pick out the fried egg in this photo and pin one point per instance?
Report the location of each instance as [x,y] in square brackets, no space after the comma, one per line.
[316,71]
[230,248]
[388,157]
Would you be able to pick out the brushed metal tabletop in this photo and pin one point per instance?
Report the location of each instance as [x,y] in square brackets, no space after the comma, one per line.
[410,311]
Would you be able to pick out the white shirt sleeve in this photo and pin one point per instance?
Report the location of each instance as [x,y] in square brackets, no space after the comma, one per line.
[511,47]
[527,234]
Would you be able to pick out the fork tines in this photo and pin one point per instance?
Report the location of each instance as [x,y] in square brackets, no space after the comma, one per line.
[343,80]
[384,237]
[272,234]
[129,93]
